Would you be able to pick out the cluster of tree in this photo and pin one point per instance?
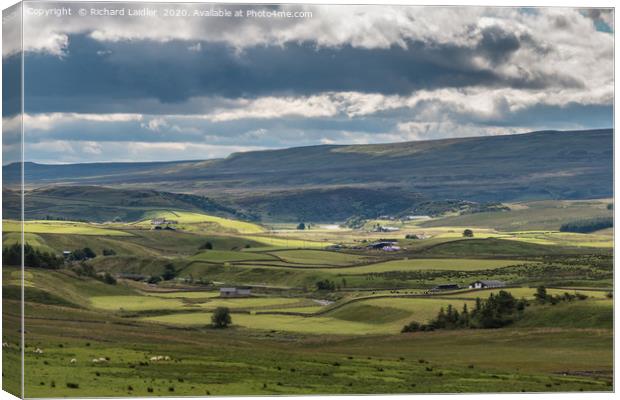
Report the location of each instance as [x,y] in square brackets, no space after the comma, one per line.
[207,246]
[301,226]
[169,274]
[326,284]
[82,254]
[542,297]
[84,269]
[587,225]
[221,317]
[497,311]
[12,255]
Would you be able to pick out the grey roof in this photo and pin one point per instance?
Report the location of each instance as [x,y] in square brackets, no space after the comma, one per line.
[491,282]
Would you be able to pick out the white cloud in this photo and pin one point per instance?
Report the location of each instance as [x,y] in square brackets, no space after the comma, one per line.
[57,151]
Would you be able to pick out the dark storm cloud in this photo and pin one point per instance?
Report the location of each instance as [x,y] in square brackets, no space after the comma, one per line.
[126,76]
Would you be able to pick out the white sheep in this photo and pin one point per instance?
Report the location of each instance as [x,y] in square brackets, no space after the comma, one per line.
[73,361]
[5,344]
[167,358]
[95,360]
[38,351]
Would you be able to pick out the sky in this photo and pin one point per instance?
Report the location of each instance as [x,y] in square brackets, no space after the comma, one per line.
[160,87]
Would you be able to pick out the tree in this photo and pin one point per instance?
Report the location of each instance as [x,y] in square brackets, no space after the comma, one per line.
[301,226]
[169,272]
[82,254]
[468,233]
[12,255]
[325,284]
[207,246]
[109,252]
[221,317]
[109,279]
[89,253]
[541,295]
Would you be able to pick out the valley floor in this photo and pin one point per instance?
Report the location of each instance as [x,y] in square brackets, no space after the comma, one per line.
[235,361]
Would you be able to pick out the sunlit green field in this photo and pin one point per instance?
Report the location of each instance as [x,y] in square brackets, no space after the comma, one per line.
[428,264]
[274,241]
[61,227]
[185,294]
[189,218]
[194,301]
[373,316]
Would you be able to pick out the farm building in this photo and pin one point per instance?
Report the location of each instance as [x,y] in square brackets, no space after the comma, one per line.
[391,248]
[386,229]
[235,292]
[162,221]
[380,245]
[66,253]
[486,284]
[447,286]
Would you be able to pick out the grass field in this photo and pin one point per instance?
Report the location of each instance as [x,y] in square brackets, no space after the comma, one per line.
[288,243]
[428,264]
[61,227]
[294,336]
[220,256]
[192,301]
[526,216]
[230,362]
[318,257]
[373,316]
[189,218]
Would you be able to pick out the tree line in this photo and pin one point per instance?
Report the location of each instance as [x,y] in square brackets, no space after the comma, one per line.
[587,225]
[499,310]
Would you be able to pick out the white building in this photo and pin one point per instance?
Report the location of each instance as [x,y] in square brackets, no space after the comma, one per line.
[486,284]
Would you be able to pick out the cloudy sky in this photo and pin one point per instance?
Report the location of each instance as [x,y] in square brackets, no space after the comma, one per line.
[124,88]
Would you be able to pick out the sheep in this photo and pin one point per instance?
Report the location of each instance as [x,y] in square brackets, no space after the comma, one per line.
[38,351]
[160,358]
[5,344]
[167,358]
[99,360]
[95,360]
[73,361]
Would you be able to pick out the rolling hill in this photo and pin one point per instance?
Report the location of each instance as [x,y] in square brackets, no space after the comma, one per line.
[336,181]
[99,204]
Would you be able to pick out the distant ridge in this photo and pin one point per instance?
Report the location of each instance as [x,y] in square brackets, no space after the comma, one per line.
[537,165]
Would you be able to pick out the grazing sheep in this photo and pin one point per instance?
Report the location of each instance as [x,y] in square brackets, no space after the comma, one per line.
[95,360]
[160,358]
[5,344]
[167,358]
[38,351]
[73,361]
